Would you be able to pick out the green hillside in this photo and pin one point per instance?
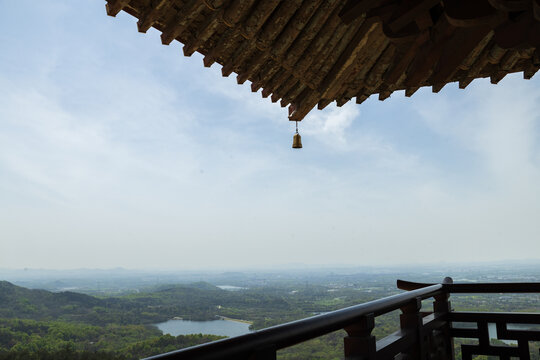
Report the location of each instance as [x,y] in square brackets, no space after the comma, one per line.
[19,302]
[198,301]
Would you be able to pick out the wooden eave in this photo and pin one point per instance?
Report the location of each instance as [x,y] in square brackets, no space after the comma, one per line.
[307,53]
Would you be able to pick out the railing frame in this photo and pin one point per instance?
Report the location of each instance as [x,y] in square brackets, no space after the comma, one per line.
[422,336]
[482,320]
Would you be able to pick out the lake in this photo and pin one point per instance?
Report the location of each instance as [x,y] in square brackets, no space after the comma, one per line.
[231,287]
[215,327]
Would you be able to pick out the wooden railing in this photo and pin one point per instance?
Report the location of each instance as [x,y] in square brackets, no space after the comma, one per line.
[479,322]
[422,335]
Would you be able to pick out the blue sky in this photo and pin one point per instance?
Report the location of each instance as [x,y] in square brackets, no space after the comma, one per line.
[118,151]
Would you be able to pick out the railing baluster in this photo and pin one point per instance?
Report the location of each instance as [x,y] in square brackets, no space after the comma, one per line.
[441,307]
[411,321]
[465,353]
[360,344]
[483,334]
[524,353]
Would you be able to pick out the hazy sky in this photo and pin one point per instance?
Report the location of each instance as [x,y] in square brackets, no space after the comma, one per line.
[117,151]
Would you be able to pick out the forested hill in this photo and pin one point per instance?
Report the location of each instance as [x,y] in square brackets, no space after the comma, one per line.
[19,302]
[22,303]
[44,325]
[197,301]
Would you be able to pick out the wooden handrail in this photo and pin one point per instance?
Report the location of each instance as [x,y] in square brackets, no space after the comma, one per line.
[510,317]
[472,288]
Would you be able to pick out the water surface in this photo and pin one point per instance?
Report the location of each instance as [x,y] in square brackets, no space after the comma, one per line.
[215,327]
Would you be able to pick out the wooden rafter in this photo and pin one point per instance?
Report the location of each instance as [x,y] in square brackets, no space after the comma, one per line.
[307,53]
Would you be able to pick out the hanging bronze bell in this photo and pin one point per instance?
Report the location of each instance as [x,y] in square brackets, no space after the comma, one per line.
[297,141]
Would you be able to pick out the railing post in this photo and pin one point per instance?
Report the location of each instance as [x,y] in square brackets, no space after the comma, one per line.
[411,322]
[360,344]
[444,348]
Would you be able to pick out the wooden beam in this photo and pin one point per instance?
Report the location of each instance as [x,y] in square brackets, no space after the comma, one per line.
[511,5]
[113,7]
[409,15]
[207,29]
[208,61]
[428,55]
[391,77]
[383,95]
[361,98]
[495,54]
[294,27]
[468,13]
[253,66]
[478,50]
[530,71]
[272,83]
[235,11]
[463,83]
[477,68]
[437,87]
[268,72]
[285,22]
[179,22]
[509,60]
[342,101]
[495,78]
[255,86]
[228,40]
[536,9]
[242,53]
[257,17]
[323,103]
[302,105]
[404,36]
[322,19]
[286,86]
[424,21]
[276,23]
[214,4]
[456,50]
[383,13]
[374,74]
[533,39]
[294,92]
[357,8]
[320,57]
[341,69]
[266,92]
[512,34]
[410,91]
[151,14]
[332,29]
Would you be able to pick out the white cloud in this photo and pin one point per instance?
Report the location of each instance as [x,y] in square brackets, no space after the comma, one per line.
[499,124]
[331,126]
